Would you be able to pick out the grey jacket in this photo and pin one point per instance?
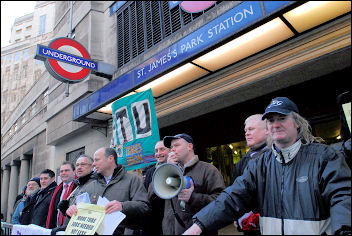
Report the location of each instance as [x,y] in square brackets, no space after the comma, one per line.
[125,188]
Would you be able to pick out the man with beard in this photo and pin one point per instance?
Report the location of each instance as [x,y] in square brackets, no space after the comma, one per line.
[33,187]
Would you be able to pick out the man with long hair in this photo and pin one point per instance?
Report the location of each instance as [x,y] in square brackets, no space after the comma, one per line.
[300,186]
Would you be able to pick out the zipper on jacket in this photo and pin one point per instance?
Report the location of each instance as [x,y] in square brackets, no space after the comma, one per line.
[282,192]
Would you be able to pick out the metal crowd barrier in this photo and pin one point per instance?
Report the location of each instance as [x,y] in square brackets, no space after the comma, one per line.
[6,228]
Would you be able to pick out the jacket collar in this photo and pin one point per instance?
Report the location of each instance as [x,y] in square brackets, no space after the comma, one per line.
[53,185]
[287,153]
[192,162]
[84,179]
[115,175]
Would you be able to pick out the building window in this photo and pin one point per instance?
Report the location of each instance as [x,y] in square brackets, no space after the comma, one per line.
[72,156]
[26,54]
[33,109]
[18,31]
[25,70]
[24,118]
[45,97]
[42,24]
[15,73]
[15,127]
[143,24]
[9,58]
[17,56]
[28,28]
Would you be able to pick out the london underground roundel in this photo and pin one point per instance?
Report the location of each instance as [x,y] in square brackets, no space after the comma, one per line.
[66,60]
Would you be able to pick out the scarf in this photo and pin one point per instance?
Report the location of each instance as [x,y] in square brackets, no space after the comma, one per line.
[52,202]
[288,153]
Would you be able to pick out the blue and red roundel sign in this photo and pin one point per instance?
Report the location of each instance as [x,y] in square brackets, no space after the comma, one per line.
[66,60]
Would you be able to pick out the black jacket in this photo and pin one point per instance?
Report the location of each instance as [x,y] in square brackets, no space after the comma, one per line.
[154,222]
[26,214]
[239,167]
[311,194]
[41,206]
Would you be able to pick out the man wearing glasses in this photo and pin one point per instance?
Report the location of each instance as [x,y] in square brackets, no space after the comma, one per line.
[85,174]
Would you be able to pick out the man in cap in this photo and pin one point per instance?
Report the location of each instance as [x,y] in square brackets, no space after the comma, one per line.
[32,188]
[207,184]
[298,187]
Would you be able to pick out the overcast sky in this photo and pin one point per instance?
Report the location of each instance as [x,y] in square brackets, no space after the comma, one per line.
[10,10]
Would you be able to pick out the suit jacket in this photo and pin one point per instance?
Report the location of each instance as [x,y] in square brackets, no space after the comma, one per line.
[51,221]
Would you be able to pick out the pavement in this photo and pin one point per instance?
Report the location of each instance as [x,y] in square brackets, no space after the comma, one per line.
[229,230]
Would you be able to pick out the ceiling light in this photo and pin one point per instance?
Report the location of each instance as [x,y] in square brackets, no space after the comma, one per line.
[315,13]
[174,79]
[107,108]
[252,42]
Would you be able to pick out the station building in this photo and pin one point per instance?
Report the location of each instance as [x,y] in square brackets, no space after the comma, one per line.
[209,68]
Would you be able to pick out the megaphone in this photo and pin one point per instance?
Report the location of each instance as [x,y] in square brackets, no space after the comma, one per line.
[168,181]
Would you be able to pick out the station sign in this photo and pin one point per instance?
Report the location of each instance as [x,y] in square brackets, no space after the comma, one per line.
[66,60]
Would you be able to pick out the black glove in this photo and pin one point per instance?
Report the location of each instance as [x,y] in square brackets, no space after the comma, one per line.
[63,206]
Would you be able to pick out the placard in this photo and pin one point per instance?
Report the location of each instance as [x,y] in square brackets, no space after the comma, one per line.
[86,221]
[135,130]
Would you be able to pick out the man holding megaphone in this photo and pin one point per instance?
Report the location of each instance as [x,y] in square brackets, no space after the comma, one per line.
[184,196]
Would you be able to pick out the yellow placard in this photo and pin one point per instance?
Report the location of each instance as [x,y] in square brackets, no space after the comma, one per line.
[86,221]
[347,109]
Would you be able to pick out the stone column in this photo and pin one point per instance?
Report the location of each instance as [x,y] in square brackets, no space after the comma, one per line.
[13,190]
[5,190]
[24,173]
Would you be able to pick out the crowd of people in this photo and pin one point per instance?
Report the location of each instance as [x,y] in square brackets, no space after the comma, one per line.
[289,182]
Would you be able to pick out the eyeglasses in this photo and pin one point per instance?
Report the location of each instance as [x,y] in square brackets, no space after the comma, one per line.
[83,164]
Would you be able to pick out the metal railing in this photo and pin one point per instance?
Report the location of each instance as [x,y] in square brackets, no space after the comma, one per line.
[6,228]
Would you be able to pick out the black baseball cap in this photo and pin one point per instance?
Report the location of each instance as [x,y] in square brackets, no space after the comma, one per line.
[281,105]
[167,139]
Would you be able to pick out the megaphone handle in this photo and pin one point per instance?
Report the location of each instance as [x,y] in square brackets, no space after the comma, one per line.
[183,205]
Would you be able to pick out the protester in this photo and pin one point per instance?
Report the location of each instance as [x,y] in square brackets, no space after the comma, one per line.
[85,175]
[63,190]
[206,185]
[31,188]
[256,135]
[125,191]
[154,224]
[298,187]
[43,199]
[19,204]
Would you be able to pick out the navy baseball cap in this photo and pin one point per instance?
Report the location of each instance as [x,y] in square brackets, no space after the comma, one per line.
[167,139]
[281,105]
[35,179]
